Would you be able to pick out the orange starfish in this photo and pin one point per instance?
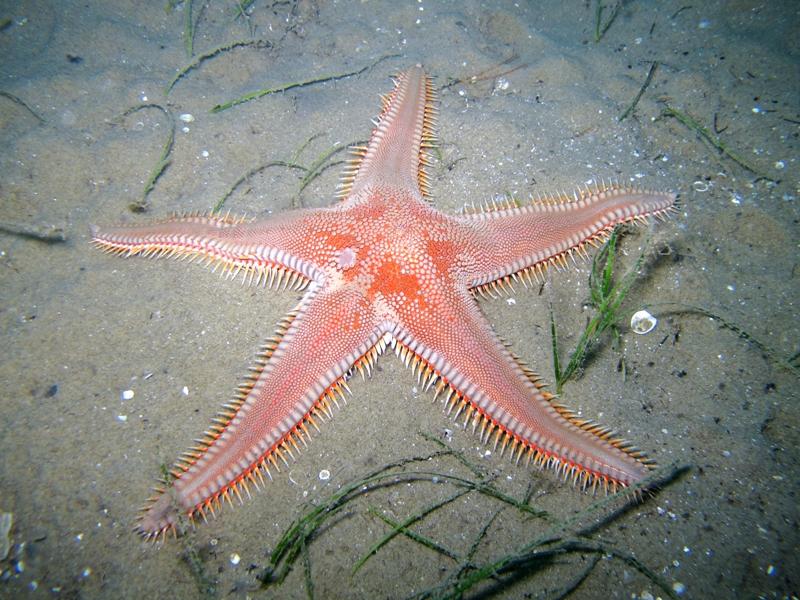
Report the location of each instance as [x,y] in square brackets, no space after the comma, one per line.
[383,268]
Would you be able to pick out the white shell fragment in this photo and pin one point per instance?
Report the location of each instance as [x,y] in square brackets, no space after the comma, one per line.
[187,117]
[643,322]
[324,475]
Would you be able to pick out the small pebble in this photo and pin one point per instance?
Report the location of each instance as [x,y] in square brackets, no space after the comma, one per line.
[127,394]
[678,588]
[187,117]
[185,390]
[122,418]
[235,558]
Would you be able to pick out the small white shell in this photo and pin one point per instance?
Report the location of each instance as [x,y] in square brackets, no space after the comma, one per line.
[643,322]
[187,117]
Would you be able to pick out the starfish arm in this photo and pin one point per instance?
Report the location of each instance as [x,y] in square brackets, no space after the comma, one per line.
[526,239]
[299,375]
[396,156]
[287,250]
[480,379]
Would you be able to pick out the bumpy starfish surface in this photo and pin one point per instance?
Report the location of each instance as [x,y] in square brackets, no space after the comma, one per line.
[383,268]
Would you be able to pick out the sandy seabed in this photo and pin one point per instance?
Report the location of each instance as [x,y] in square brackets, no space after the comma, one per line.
[529,104]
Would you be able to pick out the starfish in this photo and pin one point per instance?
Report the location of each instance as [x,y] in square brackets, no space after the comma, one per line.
[382,268]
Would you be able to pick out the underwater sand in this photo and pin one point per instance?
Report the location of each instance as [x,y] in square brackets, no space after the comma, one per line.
[529,104]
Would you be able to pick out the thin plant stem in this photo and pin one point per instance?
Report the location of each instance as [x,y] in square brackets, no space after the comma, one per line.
[163,161]
[297,84]
[638,97]
[705,134]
